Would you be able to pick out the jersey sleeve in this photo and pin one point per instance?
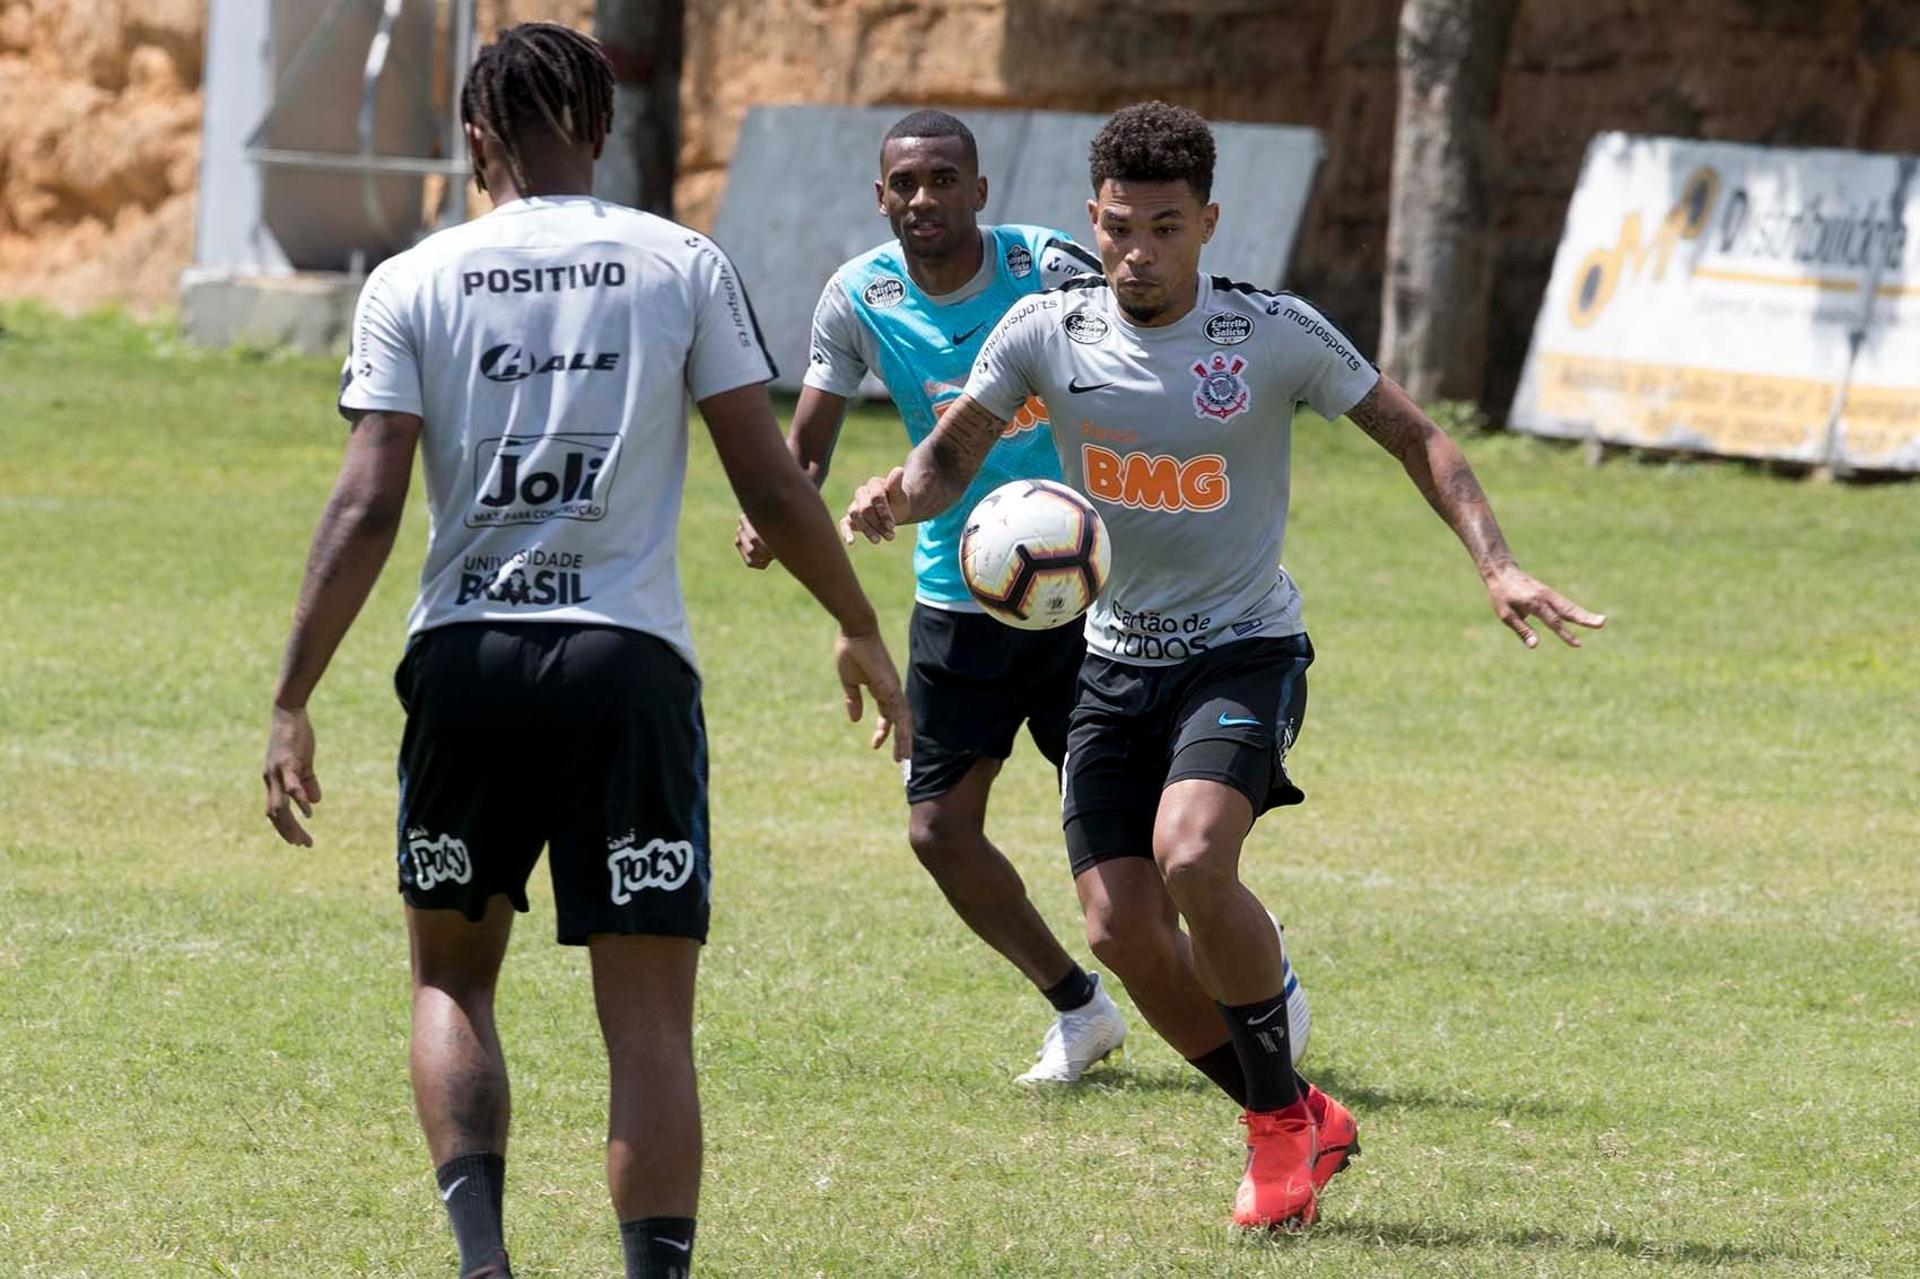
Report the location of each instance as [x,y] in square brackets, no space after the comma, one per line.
[382,371]
[1003,372]
[1331,375]
[728,351]
[1061,258]
[834,362]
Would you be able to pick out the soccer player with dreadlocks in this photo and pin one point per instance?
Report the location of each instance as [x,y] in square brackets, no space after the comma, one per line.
[541,358]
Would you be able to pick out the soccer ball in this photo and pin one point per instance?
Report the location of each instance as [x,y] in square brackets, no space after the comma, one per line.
[1034,553]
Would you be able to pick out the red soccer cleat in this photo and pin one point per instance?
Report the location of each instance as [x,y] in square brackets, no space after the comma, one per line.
[1338,1137]
[1277,1189]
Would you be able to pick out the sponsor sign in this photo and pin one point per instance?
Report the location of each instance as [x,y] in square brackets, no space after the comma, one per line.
[1738,300]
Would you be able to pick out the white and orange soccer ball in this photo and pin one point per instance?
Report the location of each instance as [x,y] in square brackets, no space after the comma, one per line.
[1035,553]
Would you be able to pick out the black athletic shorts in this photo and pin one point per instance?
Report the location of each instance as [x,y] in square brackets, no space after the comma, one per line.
[586,739]
[1229,715]
[972,682]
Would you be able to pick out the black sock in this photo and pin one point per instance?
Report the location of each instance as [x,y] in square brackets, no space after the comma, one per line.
[1222,1065]
[471,1186]
[658,1247]
[1070,992]
[1259,1035]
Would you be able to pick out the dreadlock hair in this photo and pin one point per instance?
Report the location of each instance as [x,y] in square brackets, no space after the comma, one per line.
[1154,142]
[932,124]
[539,78]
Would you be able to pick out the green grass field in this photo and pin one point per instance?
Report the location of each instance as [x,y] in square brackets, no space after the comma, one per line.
[1615,954]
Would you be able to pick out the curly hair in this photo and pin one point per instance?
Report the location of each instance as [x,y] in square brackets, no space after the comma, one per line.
[539,78]
[1154,142]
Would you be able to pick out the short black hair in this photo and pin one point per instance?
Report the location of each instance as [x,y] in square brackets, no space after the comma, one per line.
[932,124]
[1154,142]
[539,78]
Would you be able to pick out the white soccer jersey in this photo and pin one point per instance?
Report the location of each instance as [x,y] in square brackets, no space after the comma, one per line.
[1181,436]
[552,348]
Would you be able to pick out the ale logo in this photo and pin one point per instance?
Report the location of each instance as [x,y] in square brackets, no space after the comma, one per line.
[533,479]
[511,362]
[1601,270]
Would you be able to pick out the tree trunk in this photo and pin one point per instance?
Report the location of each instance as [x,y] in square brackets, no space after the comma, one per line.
[643,38]
[1439,285]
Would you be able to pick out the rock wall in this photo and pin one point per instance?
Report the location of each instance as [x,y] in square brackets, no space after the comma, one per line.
[99,106]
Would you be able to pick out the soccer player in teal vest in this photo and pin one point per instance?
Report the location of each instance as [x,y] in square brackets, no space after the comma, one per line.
[913,311]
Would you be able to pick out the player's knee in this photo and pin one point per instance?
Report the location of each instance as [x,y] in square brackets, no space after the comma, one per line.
[1196,866]
[1134,950]
[942,839]
[469,986]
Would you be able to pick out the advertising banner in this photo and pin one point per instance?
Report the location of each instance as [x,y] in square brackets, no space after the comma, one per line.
[1737,300]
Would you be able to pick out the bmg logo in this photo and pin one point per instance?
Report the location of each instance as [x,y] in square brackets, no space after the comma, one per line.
[1600,271]
[533,479]
[662,864]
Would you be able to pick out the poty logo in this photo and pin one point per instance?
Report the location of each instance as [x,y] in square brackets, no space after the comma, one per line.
[1600,271]
[540,478]
[662,864]
[511,362]
[441,860]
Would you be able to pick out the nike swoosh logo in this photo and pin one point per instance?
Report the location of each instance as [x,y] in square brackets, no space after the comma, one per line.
[1277,1008]
[446,1195]
[1237,723]
[675,1244]
[1073,385]
[959,339]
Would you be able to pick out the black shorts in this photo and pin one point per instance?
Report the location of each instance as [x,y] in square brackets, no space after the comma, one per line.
[972,682]
[1229,715]
[586,739]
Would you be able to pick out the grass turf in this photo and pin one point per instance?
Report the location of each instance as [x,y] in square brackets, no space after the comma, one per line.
[1612,952]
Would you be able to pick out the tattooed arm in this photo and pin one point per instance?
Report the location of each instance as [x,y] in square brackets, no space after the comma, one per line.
[936,474]
[1439,470]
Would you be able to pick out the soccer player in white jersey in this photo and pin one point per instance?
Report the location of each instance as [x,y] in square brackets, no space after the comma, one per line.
[914,310]
[542,358]
[1174,396]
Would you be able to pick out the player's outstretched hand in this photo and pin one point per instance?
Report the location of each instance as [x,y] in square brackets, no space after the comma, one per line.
[864,660]
[875,508]
[289,774]
[1516,596]
[752,547]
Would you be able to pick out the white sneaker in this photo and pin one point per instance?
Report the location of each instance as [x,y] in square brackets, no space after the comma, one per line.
[1078,1039]
[1299,1017]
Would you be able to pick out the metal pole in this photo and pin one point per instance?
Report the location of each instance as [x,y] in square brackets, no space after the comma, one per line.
[457,64]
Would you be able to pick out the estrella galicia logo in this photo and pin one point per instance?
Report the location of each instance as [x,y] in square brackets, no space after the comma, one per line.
[1019,262]
[1085,328]
[662,864]
[441,860]
[1228,329]
[884,292]
[511,362]
[533,479]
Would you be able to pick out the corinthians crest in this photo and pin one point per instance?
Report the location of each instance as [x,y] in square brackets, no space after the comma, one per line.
[1223,392]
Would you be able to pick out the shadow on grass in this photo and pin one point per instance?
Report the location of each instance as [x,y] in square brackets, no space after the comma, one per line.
[1402,1234]
[1354,1094]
